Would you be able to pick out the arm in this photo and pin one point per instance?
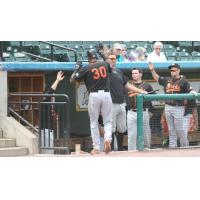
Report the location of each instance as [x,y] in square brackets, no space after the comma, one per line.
[60,77]
[134,89]
[78,66]
[153,72]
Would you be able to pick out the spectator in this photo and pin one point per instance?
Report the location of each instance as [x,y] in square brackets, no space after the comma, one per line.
[141,52]
[157,55]
[138,55]
[124,53]
[117,50]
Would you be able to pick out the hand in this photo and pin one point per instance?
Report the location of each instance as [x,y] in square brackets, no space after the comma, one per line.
[193,92]
[150,114]
[151,66]
[78,65]
[143,92]
[60,76]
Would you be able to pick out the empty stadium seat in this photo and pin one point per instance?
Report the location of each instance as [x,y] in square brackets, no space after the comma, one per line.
[185,56]
[169,48]
[171,55]
[8,57]
[196,55]
[20,57]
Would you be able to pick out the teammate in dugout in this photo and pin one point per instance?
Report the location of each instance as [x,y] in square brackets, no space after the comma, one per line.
[132,111]
[97,81]
[174,109]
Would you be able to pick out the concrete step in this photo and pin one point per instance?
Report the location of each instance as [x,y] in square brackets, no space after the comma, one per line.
[14,151]
[7,142]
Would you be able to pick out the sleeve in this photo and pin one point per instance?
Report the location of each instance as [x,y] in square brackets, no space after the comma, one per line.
[149,103]
[46,99]
[163,81]
[79,75]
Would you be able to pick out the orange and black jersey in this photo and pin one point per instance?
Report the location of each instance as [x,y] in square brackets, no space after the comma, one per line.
[132,103]
[177,86]
[95,76]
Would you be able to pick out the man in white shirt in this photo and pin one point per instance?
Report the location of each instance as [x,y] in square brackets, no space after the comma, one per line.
[157,55]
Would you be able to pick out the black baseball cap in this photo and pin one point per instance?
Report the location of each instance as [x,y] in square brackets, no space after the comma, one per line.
[175,65]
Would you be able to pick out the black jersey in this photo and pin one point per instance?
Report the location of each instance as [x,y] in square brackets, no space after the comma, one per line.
[117,82]
[48,111]
[95,76]
[132,103]
[177,86]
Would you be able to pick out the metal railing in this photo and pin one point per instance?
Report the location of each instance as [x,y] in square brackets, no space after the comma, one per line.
[46,115]
[154,97]
[61,47]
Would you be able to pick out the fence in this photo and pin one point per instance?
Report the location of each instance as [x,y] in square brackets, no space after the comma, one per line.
[155,97]
[46,115]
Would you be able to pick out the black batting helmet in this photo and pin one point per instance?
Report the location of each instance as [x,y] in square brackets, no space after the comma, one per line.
[91,53]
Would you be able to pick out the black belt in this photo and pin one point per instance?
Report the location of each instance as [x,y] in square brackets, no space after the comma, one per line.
[135,110]
[106,90]
[174,104]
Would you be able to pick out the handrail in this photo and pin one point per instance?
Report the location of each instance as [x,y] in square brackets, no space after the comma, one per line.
[25,121]
[40,102]
[35,56]
[62,47]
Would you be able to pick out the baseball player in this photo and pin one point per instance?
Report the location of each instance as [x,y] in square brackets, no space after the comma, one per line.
[132,112]
[174,109]
[96,78]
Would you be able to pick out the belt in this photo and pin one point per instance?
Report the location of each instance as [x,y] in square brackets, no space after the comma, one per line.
[101,91]
[135,110]
[173,104]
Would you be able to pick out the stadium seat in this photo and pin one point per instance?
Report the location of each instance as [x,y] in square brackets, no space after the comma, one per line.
[76,47]
[169,48]
[20,57]
[171,55]
[8,57]
[196,55]
[185,56]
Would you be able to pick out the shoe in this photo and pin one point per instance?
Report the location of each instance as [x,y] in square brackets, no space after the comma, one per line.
[107,147]
[94,151]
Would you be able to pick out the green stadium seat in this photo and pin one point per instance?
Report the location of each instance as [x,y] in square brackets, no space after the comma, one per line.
[196,55]
[8,57]
[185,56]
[171,56]
[20,57]
[169,48]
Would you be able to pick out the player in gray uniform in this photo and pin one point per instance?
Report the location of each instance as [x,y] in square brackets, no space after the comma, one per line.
[96,78]
[132,112]
[174,109]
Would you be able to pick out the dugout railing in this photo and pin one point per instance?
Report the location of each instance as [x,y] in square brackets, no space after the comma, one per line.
[46,116]
[155,97]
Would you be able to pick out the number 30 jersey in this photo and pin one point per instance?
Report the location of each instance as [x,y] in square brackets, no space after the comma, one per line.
[95,76]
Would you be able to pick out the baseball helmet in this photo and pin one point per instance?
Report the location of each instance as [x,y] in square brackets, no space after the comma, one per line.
[91,53]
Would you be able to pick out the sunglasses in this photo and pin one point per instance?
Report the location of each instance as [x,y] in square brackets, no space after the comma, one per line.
[173,70]
[112,58]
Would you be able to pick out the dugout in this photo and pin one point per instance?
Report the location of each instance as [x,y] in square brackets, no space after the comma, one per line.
[79,120]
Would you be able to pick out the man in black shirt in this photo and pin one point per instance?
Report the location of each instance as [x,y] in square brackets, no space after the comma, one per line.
[48,116]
